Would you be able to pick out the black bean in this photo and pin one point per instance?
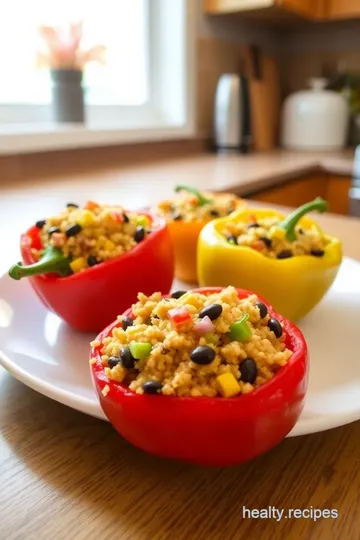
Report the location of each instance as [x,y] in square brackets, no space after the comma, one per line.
[275,326]
[202,355]
[177,216]
[213,311]
[262,309]
[214,213]
[72,205]
[253,226]
[284,254]
[127,359]
[248,370]
[125,218]
[232,239]
[267,241]
[177,294]
[139,234]
[113,361]
[53,230]
[152,387]
[317,252]
[73,230]
[126,322]
[92,260]
[40,224]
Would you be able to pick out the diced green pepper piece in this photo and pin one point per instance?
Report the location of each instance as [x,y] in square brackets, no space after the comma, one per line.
[142,221]
[140,350]
[240,330]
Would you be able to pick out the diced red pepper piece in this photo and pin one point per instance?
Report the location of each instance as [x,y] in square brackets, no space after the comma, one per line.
[258,245]
[179,315]
[91,205]
[116,216]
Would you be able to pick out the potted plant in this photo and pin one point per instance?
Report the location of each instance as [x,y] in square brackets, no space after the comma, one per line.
[64,55]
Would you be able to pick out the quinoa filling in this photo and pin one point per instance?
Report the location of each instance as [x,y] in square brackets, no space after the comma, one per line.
[92,234]
[186,207]
[265,236]
[195,345]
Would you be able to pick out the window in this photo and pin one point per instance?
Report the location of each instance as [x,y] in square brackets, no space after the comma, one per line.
[146,82]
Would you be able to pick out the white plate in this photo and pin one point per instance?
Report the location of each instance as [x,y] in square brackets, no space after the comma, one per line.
[44,353]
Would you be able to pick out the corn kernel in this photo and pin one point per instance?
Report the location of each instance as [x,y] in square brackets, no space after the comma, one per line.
[228,385]
[78,264]
[86,218]
[277,232]
[109,245]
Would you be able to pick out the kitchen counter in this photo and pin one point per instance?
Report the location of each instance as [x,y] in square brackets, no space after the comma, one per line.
[64,474]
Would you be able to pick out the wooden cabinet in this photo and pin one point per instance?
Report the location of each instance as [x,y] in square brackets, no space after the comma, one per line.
[337,193]
[335,189]
[308,9]
[343,9]
[294,192]
[234,6]
[305,8]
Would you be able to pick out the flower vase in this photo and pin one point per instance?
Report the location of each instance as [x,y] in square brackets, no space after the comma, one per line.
[67,96]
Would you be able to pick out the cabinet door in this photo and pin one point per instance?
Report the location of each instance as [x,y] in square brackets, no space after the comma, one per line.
[295,192]
[343,9]
[300,6]
[228,6]
[337,194]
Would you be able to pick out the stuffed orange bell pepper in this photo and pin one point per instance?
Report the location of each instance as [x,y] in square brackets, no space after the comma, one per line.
[289,260]
[186,215]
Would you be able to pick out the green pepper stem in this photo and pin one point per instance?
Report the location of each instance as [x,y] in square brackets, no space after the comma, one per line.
[200,197]
[53,260]
[290,222]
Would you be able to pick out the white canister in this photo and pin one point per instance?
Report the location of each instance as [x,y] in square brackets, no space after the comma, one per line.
[315,119]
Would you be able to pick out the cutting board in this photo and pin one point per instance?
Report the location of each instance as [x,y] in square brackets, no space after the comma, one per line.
[264,89]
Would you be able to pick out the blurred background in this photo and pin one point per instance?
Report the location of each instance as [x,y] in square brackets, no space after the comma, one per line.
[85,83]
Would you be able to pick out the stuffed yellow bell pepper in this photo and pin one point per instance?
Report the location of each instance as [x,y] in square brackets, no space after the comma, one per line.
[289,260]
[186,215]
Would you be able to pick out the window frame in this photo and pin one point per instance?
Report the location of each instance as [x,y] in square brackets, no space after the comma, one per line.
[169,113]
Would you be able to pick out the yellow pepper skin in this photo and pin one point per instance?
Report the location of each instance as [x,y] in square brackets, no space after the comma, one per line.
[292,286]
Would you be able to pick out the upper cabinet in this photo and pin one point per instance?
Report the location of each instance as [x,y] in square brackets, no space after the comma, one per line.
[343,9]
[308,9]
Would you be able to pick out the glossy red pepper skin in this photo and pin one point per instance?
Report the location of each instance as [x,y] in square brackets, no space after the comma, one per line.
[91,299]
[210,431]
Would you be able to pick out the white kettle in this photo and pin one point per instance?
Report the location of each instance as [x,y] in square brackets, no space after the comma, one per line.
[315,119]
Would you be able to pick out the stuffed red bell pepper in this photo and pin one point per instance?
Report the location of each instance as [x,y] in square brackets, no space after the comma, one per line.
[87,264]
[212,376]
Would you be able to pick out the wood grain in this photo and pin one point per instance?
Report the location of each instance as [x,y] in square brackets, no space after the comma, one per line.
[66,475]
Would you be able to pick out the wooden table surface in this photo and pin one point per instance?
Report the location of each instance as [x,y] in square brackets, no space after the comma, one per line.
[64,475]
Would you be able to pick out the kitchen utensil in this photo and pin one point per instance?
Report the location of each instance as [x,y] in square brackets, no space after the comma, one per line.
[231,114]
[264,97]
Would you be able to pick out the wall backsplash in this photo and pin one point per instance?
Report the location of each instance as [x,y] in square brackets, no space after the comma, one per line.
[317,50]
